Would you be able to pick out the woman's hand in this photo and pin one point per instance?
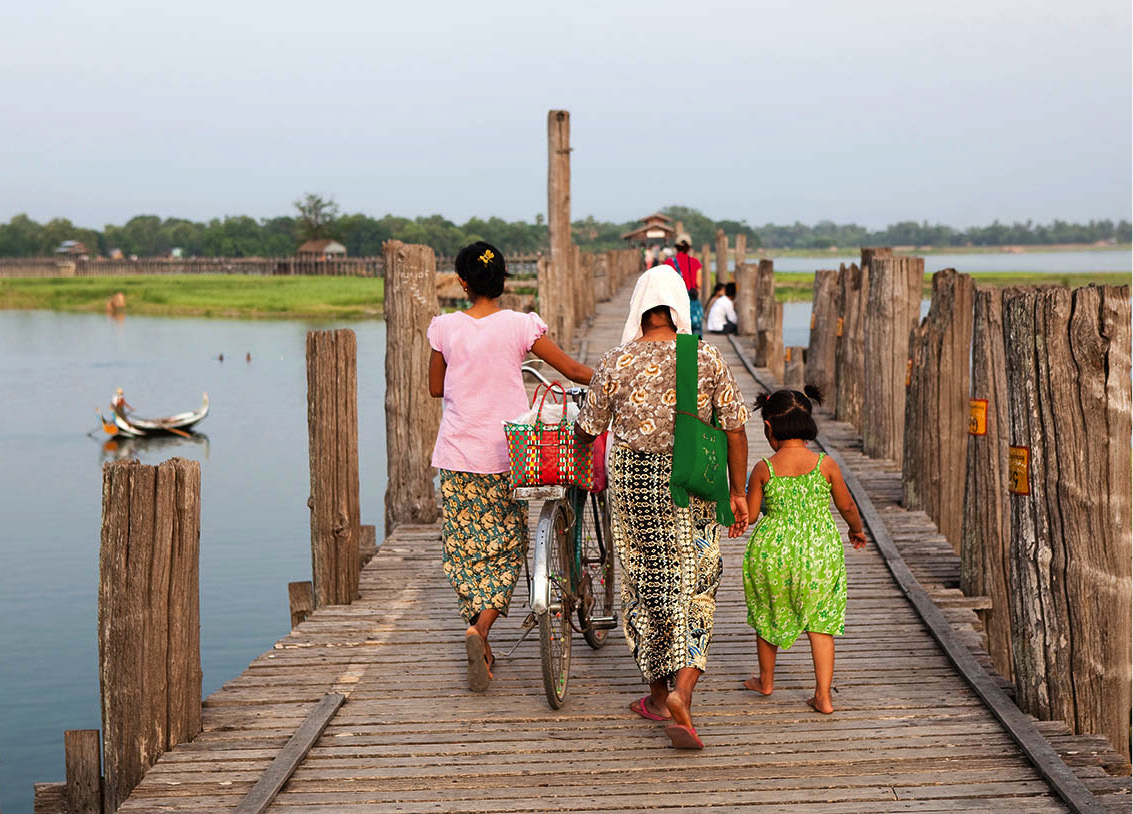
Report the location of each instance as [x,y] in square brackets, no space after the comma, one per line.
[857,539]
[739,509]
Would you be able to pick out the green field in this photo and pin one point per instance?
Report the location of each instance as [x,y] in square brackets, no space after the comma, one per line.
[204,295]
[922,251]
[337,297]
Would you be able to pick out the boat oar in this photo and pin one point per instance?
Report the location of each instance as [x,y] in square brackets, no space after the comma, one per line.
[182,433]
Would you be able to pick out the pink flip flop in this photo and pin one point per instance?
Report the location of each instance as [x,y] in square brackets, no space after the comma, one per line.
[639,707]
[683,737]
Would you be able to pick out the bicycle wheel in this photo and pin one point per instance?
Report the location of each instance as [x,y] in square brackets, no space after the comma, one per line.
[596,594]
[555,555]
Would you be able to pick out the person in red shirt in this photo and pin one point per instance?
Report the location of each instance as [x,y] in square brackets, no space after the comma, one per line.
[686,264]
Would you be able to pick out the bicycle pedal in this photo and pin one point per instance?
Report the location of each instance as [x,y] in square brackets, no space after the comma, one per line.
[603,622]
[530,622]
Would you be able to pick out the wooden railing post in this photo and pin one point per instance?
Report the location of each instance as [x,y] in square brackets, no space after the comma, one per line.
[722,274]
[559,311]
[848,351]
[83,787]
[332,425]
[148,616]
[741,250]
[746,319]
[412,415]
[986,534]
[707,281]
[888,321]
[794,368]
[825,310]
[768,321]
[936,405]
[1068,386]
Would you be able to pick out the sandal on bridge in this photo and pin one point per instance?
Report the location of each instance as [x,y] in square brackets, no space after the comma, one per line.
[639,707]
[479,676]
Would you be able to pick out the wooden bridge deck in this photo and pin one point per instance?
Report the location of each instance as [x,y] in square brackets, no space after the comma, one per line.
[908,734]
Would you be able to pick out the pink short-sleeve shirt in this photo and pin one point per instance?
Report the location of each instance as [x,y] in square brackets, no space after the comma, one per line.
[483,385]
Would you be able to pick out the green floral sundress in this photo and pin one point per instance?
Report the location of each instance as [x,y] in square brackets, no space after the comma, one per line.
[795,568]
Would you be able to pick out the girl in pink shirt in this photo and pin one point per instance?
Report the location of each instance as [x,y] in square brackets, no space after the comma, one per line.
[474,367]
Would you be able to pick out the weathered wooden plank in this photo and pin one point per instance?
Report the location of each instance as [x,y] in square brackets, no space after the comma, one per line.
[290,756]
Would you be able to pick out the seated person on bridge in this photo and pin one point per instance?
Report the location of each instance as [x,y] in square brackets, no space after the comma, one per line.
[722,315]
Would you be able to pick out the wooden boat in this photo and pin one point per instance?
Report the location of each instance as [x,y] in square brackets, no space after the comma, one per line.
[124,422]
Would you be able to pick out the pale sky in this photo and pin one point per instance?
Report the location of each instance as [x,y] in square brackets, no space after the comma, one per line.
[954,111]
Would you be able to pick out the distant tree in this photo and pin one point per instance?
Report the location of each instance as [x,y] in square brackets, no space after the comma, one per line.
[317,216]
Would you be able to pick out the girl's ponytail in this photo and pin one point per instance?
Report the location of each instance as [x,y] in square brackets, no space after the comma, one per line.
[761,401]
[814,393]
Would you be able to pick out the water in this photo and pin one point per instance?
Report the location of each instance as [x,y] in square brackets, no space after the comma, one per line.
[55,369]
[1044,262]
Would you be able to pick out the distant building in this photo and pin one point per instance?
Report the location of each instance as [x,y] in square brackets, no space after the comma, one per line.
[72,248]
[324,248]
[655,228]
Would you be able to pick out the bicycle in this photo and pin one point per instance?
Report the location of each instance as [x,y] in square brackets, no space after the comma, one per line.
[571,573]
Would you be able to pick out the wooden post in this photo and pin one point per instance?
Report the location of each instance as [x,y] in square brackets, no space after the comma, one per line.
[984,549]
[825,310]
[300,600]
[1068,386]
[888,321]
[83,789]
[560,318]
[746,300]
[707,283]
[722,274]
[848,352]
[332,424]
[741,249]
[149,616]
[769,321]
[412,415]
[600,262]
[794,368]
[936,405]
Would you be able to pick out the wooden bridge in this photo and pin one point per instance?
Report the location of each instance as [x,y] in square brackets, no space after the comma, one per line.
[910,733]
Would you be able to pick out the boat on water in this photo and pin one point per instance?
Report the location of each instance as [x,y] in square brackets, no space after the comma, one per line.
[121,446]
[126,423]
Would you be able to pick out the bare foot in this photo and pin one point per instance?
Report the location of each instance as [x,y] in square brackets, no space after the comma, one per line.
[825,707]
[756,683]
[679,707]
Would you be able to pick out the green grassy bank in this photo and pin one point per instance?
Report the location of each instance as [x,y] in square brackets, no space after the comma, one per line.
[337,297]
[204,295]
[922,251]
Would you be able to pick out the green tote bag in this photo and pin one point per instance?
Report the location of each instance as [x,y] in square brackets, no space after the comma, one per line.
[700,450]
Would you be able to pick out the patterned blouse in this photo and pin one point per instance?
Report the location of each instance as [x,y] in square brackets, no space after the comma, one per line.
[633,392]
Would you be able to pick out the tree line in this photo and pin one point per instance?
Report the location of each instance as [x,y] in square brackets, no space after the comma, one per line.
[363,235]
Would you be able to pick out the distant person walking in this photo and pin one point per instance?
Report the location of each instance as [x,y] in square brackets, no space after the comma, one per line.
[794,569]
[722,314]
[688,266]
[475,368]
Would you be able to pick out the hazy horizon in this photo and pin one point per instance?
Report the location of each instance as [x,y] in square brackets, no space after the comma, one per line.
[865,112]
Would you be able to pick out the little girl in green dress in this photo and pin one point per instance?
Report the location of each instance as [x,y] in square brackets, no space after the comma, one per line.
[794,570]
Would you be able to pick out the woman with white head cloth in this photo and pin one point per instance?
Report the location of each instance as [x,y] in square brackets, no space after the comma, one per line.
[670,556]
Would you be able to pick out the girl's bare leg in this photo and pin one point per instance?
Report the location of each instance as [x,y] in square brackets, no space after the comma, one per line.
[764,683]
[679,701]
[822,654]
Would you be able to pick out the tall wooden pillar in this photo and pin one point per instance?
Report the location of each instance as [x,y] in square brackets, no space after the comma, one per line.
[722,274]
[560,318]
[741,249]
[332,425]
[825,310]
[149,646]
[412,415]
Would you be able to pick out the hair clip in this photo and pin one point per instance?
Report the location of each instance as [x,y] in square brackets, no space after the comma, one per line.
[486,256]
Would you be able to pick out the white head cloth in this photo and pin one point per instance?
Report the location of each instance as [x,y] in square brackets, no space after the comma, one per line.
[660,285]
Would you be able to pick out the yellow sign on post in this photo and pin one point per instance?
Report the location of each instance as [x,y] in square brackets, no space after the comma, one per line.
[838,328]
[977,417]
[812,319]
[1019,470]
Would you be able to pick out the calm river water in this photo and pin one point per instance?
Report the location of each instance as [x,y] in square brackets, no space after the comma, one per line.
[55,369]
